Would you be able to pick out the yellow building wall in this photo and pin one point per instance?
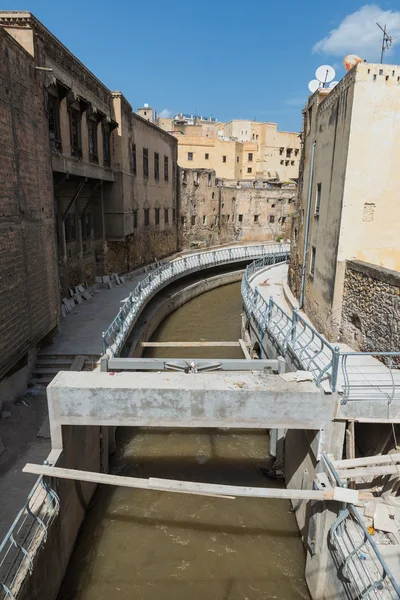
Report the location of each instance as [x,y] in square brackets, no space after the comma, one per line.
[216,150]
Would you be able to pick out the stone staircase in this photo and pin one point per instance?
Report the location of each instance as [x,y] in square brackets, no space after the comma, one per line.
[48,365]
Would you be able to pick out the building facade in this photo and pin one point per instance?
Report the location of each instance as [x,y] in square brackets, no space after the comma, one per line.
[348,206]
[236,150]
[29,293]
[215,210]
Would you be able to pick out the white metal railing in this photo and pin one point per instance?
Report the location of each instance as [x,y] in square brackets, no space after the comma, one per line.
[115,336]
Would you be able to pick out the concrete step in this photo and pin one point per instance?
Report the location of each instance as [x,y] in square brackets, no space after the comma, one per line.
[56,362]
[45,380]
[46,371]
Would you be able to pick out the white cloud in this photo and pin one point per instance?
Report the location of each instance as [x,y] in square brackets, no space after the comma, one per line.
[359,34]
[165,113]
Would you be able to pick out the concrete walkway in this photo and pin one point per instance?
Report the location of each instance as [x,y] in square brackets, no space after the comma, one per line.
[372,388]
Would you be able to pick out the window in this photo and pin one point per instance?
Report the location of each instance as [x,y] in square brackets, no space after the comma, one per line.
[292,162]
[240,218]
[174,215]
[166,215]
[281,151]
[237,159]
[282,162]
[75,127]
[193,220]
[182,220]
[92,140]
[206,156]
[134,159]
[283,220]
[257,136]
[296,152]
[54,122]
[106,145]
[253,136]
[213,195]
[249,169]
[204,219]
[156,165]
[70,228]
[145,162]
[312,265]
[157,216]
[288,152]
[272,218]
[250,157]
[255,218]
[224,159]
[166,169]
[86,227]
[227,217]
[135,219]
[318,199]
[146,217]
[287,162]
[190,155]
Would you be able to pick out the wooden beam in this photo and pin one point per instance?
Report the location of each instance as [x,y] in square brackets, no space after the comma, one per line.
[366,461]
[369,471]
[246,353]
[188,344]
[189,487]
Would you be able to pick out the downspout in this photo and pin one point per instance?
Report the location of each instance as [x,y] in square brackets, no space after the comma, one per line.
[306,240]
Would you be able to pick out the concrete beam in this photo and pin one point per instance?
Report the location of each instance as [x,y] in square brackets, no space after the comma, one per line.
[240,400]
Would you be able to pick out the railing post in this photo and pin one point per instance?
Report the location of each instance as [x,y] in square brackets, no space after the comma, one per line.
[103,342]
[335,368]
[294,326]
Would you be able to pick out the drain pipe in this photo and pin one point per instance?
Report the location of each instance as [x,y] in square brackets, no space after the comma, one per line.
[306,241]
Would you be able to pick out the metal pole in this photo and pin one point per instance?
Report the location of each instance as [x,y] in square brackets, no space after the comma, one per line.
[335,368]
[305,245]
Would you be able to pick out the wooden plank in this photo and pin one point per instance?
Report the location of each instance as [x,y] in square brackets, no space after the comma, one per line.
[368,471]
[189,344]
[367,461]
[183,487]
[78,362]
[246,353]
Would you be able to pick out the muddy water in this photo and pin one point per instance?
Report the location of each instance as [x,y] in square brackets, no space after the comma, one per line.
[146,545]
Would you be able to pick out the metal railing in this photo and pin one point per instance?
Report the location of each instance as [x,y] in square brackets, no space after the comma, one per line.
[291,333]
[364,571]
[115,336]
[364,377]
[355,375]
[25,536]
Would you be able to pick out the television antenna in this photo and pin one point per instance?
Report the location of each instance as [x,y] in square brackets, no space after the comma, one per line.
[386,41]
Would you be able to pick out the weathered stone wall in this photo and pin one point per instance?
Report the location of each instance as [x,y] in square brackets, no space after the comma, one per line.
[216,211]
[371,307]
[29,297]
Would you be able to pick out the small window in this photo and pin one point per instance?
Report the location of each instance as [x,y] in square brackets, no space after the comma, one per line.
[190,155]
[281,151]
[312,265]
[75,126]
[212,195]
[255,218]
[209,180]
[250,156]
[156,165]
[106,145]
[206,156]
[182,220]
[193,220]
[134,159]
[283,220]
[288,152]
[166,169]
[292,162]
[318,199]
[282,162]
[257,136]
[54,123]
[272,218]
[309,120]
[224,159]
[145,163]
[146,217]
[237,159]
[174,215]
[135,219]
[157,216]
[249,169]
[240,218]
[166,216]
[204,219]
[92,140]
[296,152]
[228,217]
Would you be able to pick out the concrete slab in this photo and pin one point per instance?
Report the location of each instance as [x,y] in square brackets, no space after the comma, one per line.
[237,400]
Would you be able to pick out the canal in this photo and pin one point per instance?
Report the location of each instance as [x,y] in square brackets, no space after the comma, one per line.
[147,545]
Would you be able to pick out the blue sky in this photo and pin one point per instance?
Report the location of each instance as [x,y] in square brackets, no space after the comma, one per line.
[232,60]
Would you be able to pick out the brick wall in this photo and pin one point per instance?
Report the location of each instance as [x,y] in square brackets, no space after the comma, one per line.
[371,308]
[29,297]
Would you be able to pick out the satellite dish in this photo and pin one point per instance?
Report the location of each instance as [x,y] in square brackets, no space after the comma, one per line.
[220,133]
[325,73]
[333,84]
[314,85]
[146,105]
